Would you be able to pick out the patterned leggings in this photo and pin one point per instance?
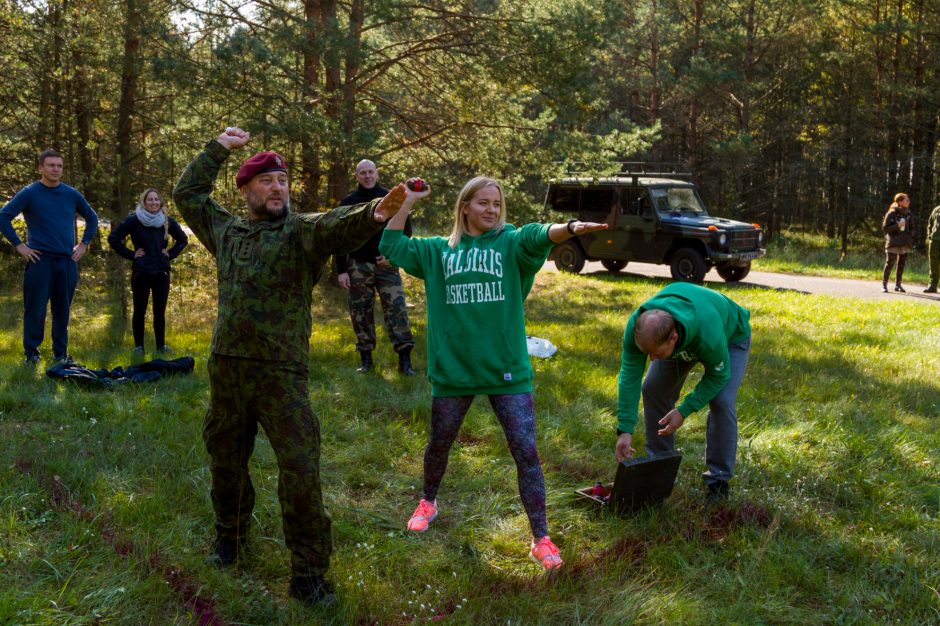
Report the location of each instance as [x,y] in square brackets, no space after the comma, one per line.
[516,414]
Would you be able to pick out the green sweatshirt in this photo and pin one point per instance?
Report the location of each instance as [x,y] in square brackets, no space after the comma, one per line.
[475,295]
[707,323]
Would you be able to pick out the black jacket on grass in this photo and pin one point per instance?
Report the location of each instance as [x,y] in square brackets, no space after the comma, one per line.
[153,241]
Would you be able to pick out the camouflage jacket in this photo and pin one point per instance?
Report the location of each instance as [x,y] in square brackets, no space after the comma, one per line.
[266,269]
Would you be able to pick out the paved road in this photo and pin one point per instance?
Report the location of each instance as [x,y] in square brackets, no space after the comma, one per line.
[867,289]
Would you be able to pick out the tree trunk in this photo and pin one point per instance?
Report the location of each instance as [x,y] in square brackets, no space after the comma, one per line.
[121,199]
[309,152]
[698,8]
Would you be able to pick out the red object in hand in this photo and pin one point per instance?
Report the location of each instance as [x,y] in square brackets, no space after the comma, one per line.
[417,184]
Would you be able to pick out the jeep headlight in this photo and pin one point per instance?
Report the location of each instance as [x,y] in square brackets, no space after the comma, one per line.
[722,239]
[760,237]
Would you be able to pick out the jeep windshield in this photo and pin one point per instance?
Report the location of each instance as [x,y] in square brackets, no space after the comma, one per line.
[677,201]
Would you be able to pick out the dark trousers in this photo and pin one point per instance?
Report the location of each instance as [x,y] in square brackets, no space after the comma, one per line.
[933,259]
[142,284]
[52,281]
[890,260]
[661,388]
[243,394]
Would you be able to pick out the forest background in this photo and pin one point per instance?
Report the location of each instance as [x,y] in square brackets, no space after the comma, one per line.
[805,114]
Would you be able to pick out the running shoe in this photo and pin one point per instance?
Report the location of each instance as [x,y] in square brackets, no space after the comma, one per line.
[545,553]
[423,516]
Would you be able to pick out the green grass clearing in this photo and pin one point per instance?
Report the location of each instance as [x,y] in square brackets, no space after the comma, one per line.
[834,517]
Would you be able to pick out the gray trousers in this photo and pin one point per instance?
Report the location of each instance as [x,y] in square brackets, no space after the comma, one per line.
[661,388]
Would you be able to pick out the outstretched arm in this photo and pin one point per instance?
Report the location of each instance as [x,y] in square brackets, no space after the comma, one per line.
[563,232]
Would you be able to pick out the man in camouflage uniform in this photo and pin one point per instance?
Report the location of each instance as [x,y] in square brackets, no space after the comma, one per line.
[267,267]
[363,272]
[933,249]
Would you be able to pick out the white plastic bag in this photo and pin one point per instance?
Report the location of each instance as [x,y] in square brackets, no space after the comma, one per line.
[542,348]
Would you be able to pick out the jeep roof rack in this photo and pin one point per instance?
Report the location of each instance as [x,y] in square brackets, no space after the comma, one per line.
[633,169]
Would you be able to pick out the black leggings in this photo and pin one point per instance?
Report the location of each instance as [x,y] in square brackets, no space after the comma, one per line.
[516,414]
[889,265]
[142,284]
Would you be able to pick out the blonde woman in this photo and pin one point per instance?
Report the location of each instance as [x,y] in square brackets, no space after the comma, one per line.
[149,228]
[476,281]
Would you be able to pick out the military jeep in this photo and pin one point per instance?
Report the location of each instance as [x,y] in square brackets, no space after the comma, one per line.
[653,219]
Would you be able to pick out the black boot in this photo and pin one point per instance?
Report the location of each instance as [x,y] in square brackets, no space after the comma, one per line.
[366,365]
[311,590]
[404,362]
[224,552]
[718,492]
[884,287]
[899,288]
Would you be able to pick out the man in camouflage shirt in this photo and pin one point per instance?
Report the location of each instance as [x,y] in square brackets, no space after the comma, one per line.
[267,267]
[933,249]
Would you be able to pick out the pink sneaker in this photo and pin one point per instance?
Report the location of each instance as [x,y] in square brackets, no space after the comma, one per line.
[545,553]
[423,516]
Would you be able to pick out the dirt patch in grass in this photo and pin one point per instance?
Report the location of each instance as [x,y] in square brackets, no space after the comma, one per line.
[184,585]
[722,521]
[469,439]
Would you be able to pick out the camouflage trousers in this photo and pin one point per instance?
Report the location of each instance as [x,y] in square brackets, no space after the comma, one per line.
[364,280]
[243,394]
[933,261]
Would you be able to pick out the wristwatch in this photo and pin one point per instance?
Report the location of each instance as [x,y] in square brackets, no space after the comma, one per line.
[570,222]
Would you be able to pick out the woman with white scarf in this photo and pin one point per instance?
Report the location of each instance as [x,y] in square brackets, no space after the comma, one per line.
[149,228]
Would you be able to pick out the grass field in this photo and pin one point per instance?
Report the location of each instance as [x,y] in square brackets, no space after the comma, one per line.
[834,517]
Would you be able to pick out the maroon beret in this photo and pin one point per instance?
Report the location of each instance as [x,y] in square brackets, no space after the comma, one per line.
[259,164]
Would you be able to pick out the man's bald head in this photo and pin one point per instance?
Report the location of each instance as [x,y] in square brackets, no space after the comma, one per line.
[655,333]
[366,174]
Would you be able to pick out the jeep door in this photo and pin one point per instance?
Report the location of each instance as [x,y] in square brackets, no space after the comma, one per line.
[600,204]
[635,232]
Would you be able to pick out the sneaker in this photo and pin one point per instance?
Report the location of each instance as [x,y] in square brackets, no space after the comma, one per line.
[138,349]
[311,590]
[224,552]
[545,553]
[65,359]
[31,359]
[165,349]
[930,290]
[718,491]
[423,516]
[899,289]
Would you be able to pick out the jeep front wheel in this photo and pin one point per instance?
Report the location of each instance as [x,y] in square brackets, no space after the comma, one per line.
[569,258]
[688,266]
[613,265]
[734,274]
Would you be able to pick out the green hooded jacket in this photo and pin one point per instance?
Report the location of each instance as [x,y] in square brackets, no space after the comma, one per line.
[266,269]
[707,322]
[475,295]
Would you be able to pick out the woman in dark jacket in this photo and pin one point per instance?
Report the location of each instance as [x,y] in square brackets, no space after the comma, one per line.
[898,239]
[149,228]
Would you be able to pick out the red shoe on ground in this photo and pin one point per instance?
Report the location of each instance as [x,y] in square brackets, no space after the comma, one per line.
[545,553]
[423,516]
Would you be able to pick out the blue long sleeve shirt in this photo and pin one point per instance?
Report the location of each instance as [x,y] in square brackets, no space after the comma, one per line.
[50,217]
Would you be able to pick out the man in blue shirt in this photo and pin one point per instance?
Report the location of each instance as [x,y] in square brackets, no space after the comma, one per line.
[49,208]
